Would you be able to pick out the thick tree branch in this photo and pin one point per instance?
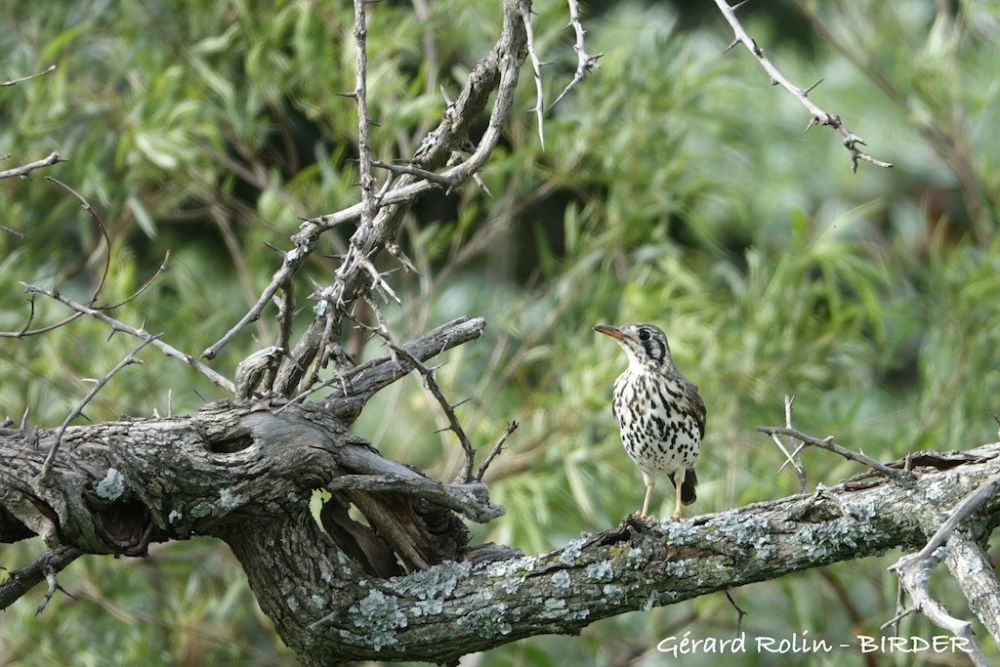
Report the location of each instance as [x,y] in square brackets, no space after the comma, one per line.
[244,474]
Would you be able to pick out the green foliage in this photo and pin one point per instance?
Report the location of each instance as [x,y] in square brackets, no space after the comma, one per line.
[675,187]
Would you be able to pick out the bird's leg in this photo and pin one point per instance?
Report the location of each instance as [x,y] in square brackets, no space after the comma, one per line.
[650,483]
[678,480]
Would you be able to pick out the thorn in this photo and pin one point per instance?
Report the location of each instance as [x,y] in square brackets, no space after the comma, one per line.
[462,402]
[739,6]
[353,94]
[731,45]
[810,88]
[812,121]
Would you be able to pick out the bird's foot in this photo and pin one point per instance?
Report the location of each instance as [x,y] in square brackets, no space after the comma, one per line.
[676,516]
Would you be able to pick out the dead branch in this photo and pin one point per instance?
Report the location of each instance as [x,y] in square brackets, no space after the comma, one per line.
[817,116]
[496,450]
[828,444]
[128,360]
[169,350]
[584,61]
[19,582]
[25,169]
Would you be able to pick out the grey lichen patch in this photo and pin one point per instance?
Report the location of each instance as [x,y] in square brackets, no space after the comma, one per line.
[614,593]
[174,516]
[636,558]
[747,531]
[970,564]
[427,607]
[512,584]
[678,532]
[935,491]
[600,571]
[436,582]
[561,579]
[112,486]
[506,567]
[485,619]
[553,609]
[229,500]
[571,551]
[380,615]
[823,541]
[318,601]
[293,604]
[201,510]
[863,510]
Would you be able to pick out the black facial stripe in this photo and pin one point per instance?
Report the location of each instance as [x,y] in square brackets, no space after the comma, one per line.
[653,348]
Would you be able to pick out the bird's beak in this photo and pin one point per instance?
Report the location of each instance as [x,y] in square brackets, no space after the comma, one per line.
[609,330]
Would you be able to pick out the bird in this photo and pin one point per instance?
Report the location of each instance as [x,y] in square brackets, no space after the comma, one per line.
[659,412]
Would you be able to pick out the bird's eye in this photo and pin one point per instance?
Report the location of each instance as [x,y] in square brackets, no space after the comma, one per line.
[643,334]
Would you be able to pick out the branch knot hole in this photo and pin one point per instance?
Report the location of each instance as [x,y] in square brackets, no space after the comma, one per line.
[230,443]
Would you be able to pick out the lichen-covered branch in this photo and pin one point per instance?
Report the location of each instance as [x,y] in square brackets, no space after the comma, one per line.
[244,472]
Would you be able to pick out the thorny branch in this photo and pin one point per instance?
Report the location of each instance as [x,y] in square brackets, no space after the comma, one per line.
[828,444]
[584,61]
[818,116]
[536,69]
[22,580]
[213,376]
[128,360]
[794,457]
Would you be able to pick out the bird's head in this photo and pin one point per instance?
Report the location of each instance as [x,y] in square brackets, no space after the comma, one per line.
[644,344]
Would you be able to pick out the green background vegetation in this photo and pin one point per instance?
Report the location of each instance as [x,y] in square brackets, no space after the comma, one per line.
[675,187]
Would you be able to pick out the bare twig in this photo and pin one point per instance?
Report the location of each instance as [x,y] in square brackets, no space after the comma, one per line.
[584,61]
[818,116]
[431,384]
[14,82]
[792,458]
[292,261]
[25,169]
[496,450]
[432,176]
[828,444]
[740,612]
[85,205]
[169,350]
[536,70]
[368,204]
[495,75]
[22,580]
[25,332]
[128,360]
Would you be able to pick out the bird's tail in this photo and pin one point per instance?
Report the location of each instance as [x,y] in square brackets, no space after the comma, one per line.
[688,494]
